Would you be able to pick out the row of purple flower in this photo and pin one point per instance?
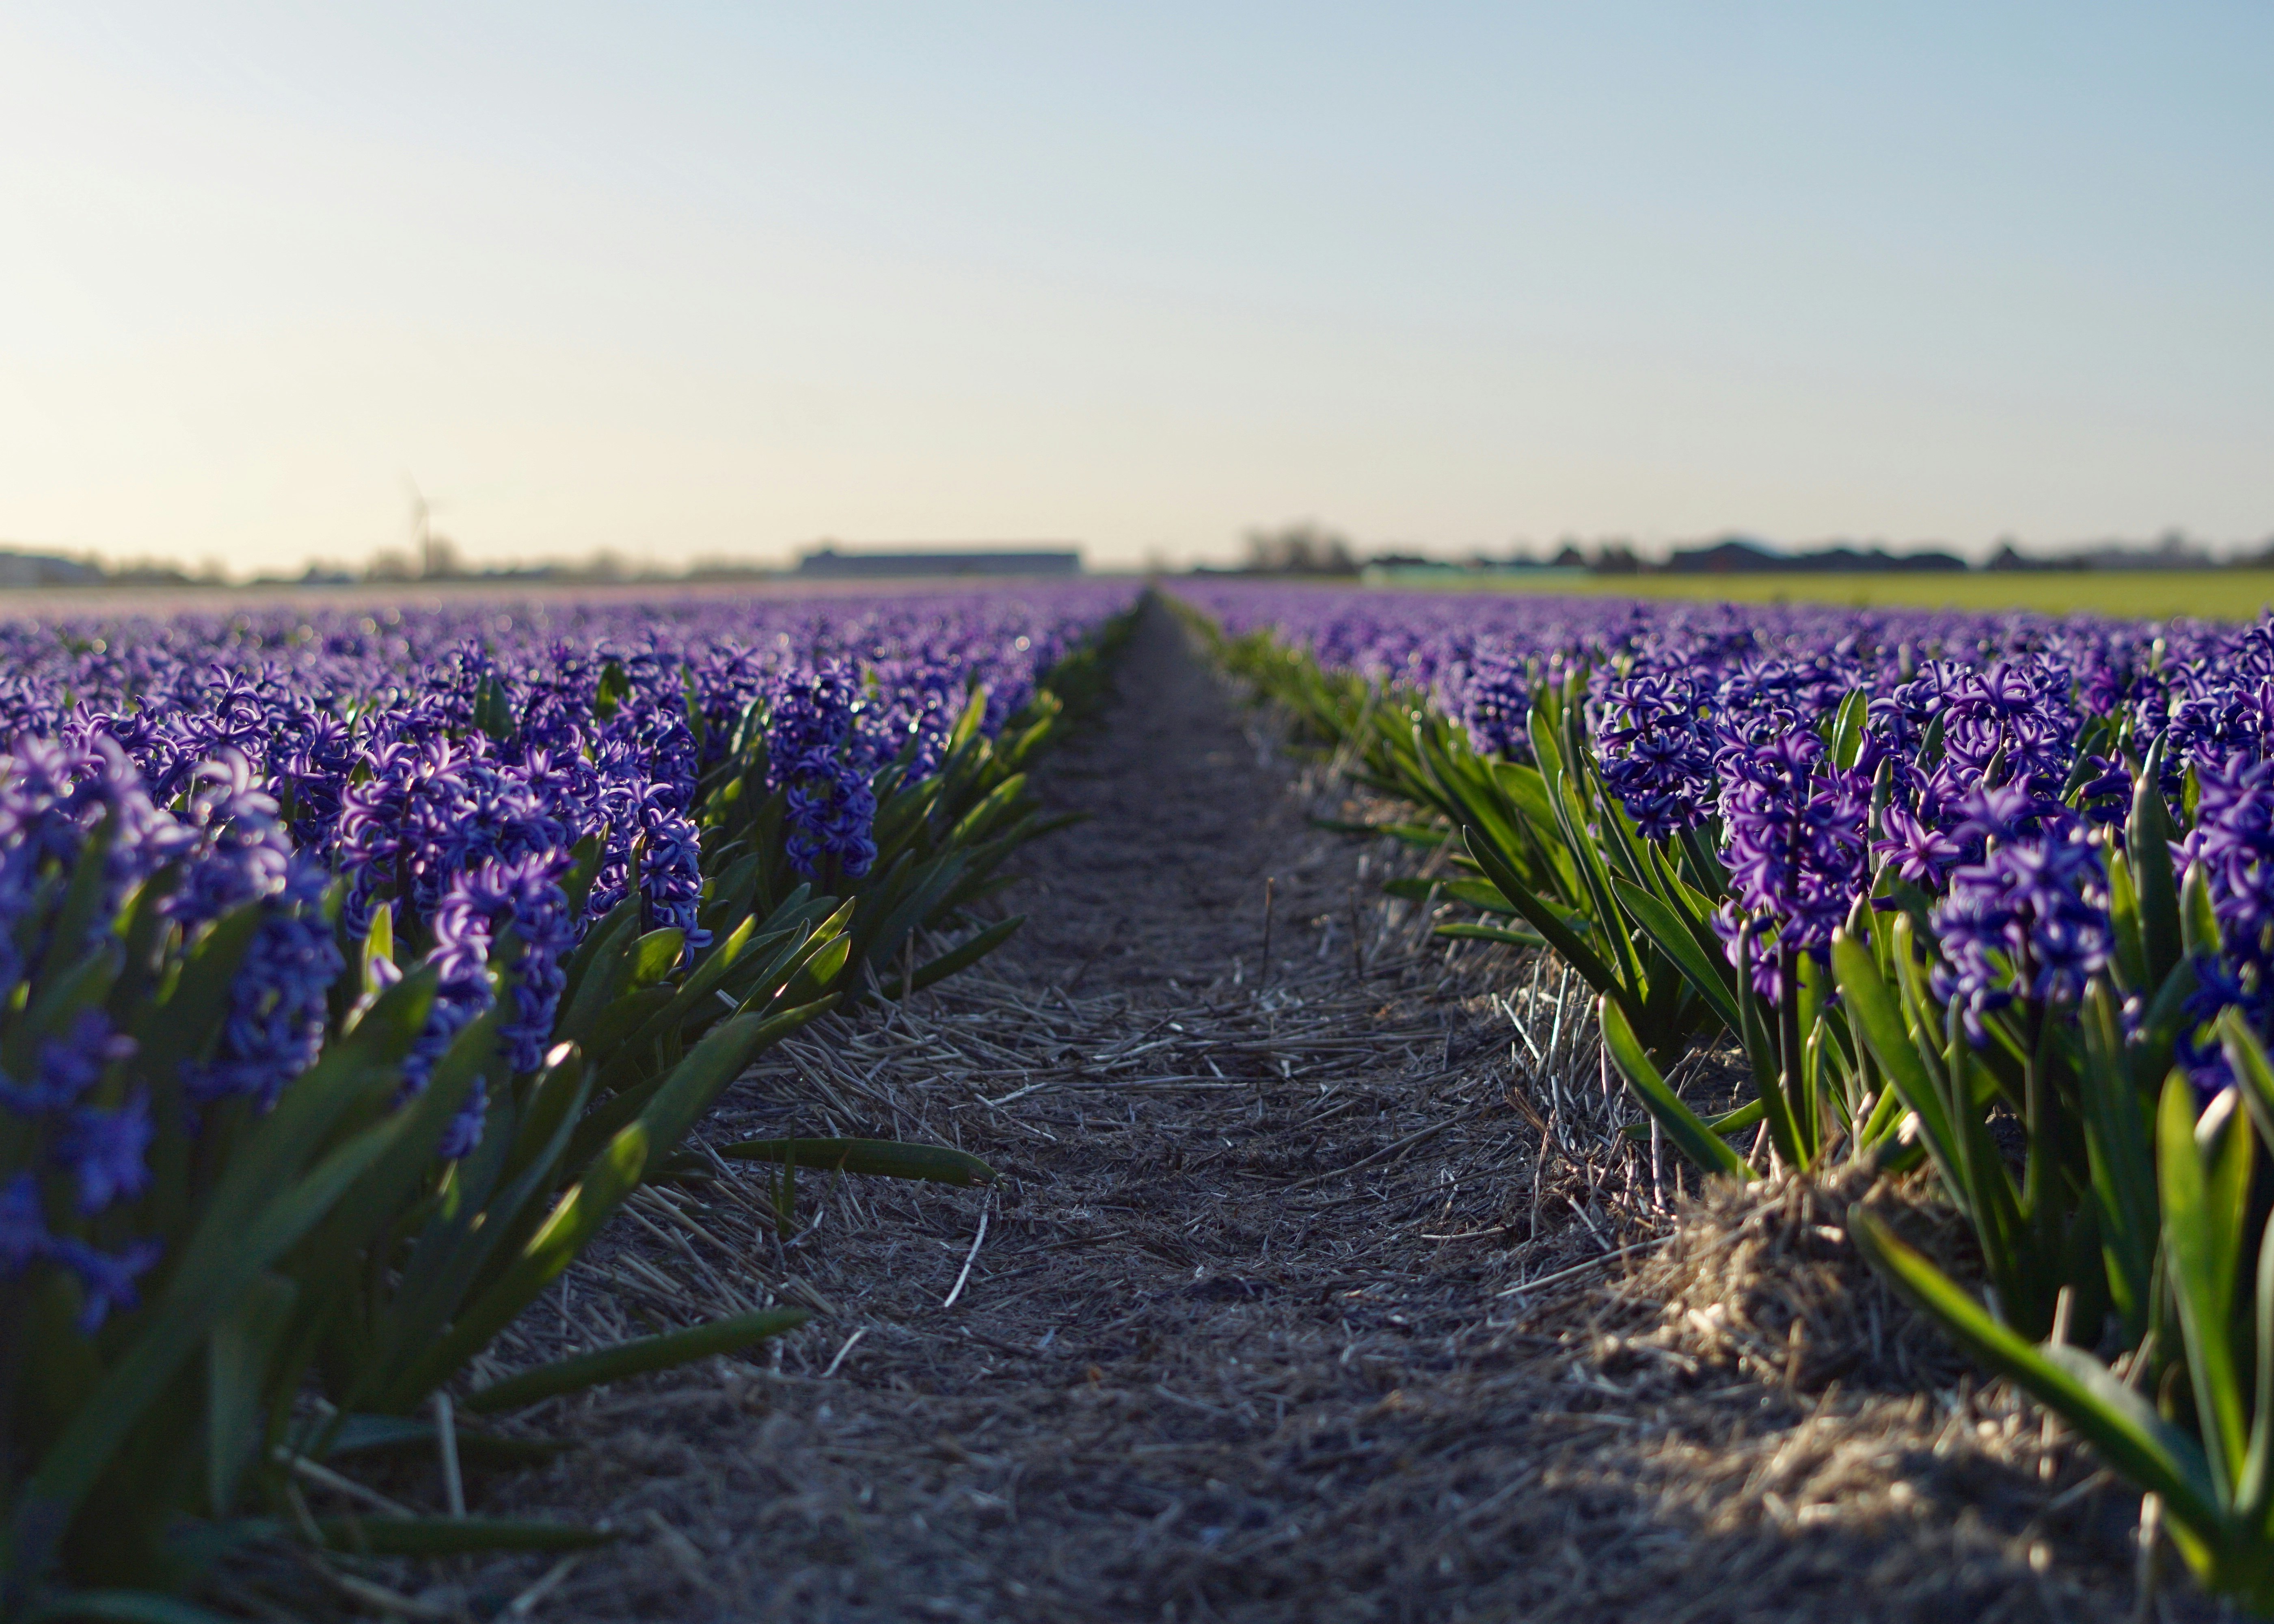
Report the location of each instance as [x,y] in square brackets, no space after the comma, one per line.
[1993,749]
[431,772]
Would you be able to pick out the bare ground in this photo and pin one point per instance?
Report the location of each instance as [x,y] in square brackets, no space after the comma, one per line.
[1320,1286]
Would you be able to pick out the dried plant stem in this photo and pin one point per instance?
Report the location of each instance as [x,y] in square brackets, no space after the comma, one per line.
[970,1257]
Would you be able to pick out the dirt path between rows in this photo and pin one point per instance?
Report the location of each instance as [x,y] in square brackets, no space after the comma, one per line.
[1249,1333]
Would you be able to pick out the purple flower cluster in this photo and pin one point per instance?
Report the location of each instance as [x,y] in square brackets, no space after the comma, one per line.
[811,719]
[2232,845]
[68,812]
[106,1279]
[1658,746]
[1491,693]
[2233,841]
[54,798]
[86,1157]
[497,900]
[1797,828]
[2210,699]
[2030,919]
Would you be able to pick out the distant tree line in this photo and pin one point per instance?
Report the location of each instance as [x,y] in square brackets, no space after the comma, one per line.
[1311,549]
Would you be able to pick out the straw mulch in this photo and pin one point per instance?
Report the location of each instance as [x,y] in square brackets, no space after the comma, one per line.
[1321,1284]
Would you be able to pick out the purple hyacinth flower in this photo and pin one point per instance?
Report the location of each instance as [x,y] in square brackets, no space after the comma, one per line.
[106,1152]
[24,1235]
[1922,854]
[106,1279]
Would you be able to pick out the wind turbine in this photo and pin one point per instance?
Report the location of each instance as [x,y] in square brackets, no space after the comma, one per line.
[437,556]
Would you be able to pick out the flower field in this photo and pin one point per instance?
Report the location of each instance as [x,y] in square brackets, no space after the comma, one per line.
[1990,897]
[355,969]
[363,967]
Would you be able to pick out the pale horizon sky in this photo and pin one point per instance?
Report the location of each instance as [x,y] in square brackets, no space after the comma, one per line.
[692,280]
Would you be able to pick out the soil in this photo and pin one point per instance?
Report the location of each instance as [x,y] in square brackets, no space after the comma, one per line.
[1322,1283]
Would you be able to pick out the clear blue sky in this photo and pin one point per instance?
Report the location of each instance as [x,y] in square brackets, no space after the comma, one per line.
[688,279]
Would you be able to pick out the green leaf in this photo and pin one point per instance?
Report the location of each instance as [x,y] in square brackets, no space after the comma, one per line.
[2255,1489]
[822,968]
[684,1094]
[883,1158]
[1745,1116]
[1985,1191]
[2198,922]
[453,1536]
[75,919]
[764,966]
[121,1607]
[1422,836]
[2202,1218]
[1755,1018]
[1871,1012]
[734,892]
[2131,951]
[1543,919]
[553,1101]
[932,881]
[595,970]
[960,957]
[1714,981]
[1463,930]
[2147,846]
[392,1184]
[2119,1147]
[615,687]
[2246,1057]
[368,1434]
[492,713]
[1482,895]
[174,1027]
[378,943]
[653,955]
[2167,1017]
[1465,784]
[1527,795]
[1848,729]
[577,884]
[2119,1423]
[974,822]
[480,1224]
[239,1356]
[1596,874]
[695,997]
[575,1219]
[714,1063]
[1694,907]
[632,1358]
[1544,751]
[626,1015]
[1691,1137]
[65,990]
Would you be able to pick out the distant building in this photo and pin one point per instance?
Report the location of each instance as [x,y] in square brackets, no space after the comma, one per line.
[46,569]
[1736,555]
[1399,571]
[1879,560]
[1733,555]
[828,563]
